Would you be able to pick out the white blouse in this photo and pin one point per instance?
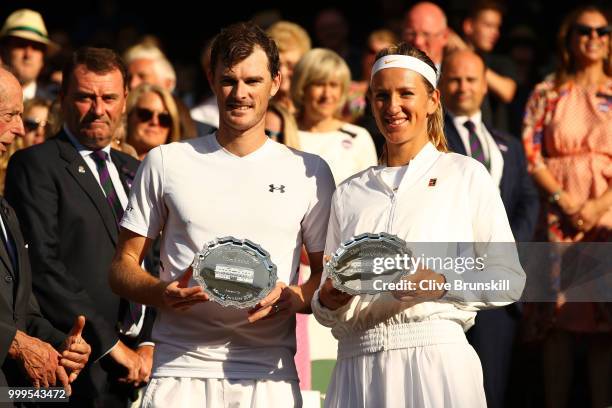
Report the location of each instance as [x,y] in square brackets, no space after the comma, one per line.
[442,197]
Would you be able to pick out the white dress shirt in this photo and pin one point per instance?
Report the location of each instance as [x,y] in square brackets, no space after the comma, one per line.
[85,152]
[29,91]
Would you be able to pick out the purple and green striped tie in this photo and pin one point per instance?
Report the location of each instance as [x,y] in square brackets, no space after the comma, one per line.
[100,156]
[477,152]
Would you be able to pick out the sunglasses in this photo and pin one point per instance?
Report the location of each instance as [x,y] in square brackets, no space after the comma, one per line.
[584,30]
[274,134]
[32,125]
[145,115]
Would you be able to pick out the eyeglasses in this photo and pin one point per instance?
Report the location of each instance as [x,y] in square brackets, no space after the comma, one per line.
[32,125]
[145,115]
[585,30]
[411,35]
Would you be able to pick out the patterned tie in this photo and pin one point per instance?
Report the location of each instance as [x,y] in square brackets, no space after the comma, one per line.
[99,156]
[475,145]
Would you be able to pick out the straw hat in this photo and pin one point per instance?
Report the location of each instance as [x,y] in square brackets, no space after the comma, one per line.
[29,25]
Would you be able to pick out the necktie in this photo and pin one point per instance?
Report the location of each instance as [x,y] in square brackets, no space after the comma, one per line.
[475,145]
[99,157]
[10,246]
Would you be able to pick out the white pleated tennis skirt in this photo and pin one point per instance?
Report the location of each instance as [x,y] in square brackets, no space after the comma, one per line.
[437,372]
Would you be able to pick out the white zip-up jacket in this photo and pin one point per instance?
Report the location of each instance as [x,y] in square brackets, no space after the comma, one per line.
[443,198]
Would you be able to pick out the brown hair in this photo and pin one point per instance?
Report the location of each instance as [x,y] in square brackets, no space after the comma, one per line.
[479,6]
[382,35]
[98,60]
[236,42]
[567,68]
[435,122]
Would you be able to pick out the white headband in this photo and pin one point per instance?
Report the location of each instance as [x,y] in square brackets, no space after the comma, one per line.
[404,61]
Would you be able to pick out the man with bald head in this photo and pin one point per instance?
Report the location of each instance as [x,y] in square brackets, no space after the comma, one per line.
[147,64]
[425,28]
[30,346]
[463,87]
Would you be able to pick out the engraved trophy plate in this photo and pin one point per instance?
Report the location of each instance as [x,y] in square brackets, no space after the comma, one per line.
[234,272]
[352,270]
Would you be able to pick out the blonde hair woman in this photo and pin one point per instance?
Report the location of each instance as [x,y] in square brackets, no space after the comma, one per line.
[567,139]
[292,42]
[319,89]
[35,117]
[407,348]
[152,118]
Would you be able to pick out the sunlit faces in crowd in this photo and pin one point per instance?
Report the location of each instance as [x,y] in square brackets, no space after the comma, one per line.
[93,104]
[320,85]
[425,28]
[377,41]
[152,118]
[243,91]
[401,104]
[35,116]
[322,98]
[25,57]
[292,42]
[482,30]
[288,61]
[11,125]
[463,84]
[142,71]
[590,38]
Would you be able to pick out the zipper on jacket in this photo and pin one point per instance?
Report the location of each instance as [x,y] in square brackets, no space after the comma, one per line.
[391,212]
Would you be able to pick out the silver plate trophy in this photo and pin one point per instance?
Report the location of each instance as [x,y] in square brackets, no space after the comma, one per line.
[234,272]
[351,267]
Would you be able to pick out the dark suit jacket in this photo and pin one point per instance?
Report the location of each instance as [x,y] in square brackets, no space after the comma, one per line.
[18,307]
[517,190]
[73,234]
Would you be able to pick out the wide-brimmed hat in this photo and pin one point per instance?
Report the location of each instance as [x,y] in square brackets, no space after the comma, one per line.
[27,24]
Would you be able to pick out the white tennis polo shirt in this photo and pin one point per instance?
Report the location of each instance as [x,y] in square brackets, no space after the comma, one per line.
[195,191]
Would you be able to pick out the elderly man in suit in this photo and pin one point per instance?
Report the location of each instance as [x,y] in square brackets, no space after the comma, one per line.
[463,86]
[70,192]
[30,346]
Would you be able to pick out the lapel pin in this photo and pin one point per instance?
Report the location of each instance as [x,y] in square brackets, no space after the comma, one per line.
[432,182]
[81,169]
